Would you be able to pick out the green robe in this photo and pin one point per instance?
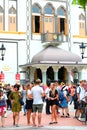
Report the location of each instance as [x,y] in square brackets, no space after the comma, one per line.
[16,106]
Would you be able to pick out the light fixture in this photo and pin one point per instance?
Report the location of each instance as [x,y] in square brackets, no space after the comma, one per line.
[2,52]
[82,49]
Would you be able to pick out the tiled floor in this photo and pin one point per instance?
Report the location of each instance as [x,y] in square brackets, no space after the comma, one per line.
[45,120]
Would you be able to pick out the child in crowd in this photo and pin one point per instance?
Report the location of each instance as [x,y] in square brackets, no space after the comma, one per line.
[2,108]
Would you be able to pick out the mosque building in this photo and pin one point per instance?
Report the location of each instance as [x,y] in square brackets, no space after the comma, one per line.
[42,40]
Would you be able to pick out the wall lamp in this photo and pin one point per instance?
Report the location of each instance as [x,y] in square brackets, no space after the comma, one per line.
[82,49]
[2,52]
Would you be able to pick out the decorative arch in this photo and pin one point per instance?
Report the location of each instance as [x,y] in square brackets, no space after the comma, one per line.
[61,11]
[49,9]
[62,21]
[81,17]
[49,18]
[36,8]
[12,10]
[12,19]
[36,18]
[81,24]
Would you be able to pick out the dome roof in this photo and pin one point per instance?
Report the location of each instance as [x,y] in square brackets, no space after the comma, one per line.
[53,54]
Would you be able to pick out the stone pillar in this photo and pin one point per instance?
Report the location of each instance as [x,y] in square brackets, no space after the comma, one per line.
[70,75]
[80,73]
[55,68]
[44,78]
[32,70]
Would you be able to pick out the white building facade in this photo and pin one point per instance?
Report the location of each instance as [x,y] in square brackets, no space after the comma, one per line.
[41,39]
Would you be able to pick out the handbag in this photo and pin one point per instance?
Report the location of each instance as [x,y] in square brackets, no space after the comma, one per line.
[21,101]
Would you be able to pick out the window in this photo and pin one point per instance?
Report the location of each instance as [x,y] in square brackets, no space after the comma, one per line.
[62,28]
[61,11]
[46,20]
[37,26]
[12,19]
[81,17]
[35,9]
[81,24]
[62,24]
[48,10]
[36,19]
[12,10]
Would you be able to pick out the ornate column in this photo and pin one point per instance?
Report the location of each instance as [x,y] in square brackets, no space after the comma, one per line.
[44,69]
[55,68]
[80,73]
[32,70]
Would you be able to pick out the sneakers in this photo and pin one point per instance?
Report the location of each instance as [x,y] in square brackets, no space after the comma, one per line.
[81,119]
[17,125]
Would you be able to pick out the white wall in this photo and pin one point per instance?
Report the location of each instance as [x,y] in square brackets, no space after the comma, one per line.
[9,65]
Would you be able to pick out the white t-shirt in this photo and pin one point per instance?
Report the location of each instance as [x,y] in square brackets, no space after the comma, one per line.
[81,91]
[47,92]
[5,96]
[28,92]
[37,91]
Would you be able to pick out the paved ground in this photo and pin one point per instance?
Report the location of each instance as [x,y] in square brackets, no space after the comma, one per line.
[63,123]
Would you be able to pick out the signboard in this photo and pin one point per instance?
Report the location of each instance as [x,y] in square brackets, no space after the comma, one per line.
[2,77]
[17,76]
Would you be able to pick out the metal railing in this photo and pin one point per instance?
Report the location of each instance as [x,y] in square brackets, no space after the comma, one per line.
[53,37]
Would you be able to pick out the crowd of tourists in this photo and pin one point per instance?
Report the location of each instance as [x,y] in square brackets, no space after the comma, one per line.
[30,97]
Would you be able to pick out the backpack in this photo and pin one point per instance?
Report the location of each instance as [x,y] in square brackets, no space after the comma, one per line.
[75,98]
[2,102]
[61,94]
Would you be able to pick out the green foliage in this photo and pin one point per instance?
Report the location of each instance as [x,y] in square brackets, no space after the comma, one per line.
[80,2]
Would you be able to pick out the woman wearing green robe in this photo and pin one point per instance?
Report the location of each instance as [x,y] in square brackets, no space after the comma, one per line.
[16,106]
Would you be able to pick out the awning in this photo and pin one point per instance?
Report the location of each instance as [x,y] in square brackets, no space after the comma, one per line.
[53,54]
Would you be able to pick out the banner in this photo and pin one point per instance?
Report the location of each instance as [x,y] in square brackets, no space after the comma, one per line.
[71,76]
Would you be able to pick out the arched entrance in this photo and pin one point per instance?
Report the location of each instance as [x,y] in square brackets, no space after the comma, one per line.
[38,74]
[50,74]
[62,74]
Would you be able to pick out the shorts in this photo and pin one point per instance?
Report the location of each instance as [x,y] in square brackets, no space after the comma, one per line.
[82,105]
[2,110]
[76,104]
[37,107]
[29,104]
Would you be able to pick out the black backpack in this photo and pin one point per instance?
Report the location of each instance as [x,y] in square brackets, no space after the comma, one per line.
[75,98]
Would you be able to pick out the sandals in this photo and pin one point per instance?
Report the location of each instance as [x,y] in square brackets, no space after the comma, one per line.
[53,123]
